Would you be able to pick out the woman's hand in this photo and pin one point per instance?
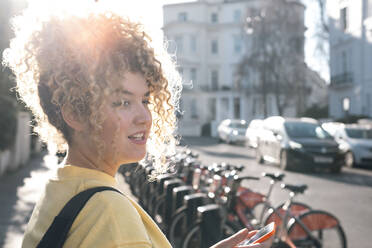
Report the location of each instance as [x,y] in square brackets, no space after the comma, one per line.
[239,237]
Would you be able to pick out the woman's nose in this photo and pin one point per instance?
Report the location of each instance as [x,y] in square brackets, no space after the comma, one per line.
[143,115]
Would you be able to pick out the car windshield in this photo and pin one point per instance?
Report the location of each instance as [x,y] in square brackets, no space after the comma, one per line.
[239,125]
[359,133]
[305,130]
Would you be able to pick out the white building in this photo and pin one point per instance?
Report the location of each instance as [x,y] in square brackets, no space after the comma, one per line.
[209,41]
[350,91]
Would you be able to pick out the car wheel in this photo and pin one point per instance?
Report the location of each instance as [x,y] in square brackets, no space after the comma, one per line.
[349,159]
[284,165]
[336,169]
[259,157]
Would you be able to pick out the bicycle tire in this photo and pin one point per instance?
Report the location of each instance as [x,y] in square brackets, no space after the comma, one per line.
[319,223]
[176,227]
[193,237]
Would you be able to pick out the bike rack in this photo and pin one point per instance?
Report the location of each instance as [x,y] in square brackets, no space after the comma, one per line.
[192,202]
[169,185]
[211,224]
[178,194]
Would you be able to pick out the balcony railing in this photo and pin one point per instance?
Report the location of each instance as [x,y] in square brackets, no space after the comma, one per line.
[343,79]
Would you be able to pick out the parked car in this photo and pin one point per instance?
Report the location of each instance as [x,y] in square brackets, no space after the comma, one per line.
[298,144]
[253,132]
[356,138]
[232,131]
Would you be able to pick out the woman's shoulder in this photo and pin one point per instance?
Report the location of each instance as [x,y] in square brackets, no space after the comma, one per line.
[111,214]
[113,202]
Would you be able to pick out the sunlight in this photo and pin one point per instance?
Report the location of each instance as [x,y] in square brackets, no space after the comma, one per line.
[149,13]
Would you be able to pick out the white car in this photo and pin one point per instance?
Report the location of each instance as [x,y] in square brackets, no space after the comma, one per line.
[253,132]
[232,131]
[357,139]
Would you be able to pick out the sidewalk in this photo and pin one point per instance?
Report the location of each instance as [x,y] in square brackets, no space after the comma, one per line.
[19,192]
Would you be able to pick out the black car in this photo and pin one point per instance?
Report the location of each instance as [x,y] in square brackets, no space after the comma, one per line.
[298,144]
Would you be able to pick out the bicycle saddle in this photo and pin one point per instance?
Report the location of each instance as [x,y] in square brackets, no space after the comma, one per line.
[275,177]
[295,188]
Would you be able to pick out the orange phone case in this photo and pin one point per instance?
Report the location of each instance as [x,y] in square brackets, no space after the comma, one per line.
[266,236]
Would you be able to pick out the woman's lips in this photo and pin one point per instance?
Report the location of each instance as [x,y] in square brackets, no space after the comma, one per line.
[138,138]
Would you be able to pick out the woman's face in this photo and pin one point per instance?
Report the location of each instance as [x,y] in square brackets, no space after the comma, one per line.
[128,120]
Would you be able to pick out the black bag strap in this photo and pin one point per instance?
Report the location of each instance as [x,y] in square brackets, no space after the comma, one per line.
[56,235]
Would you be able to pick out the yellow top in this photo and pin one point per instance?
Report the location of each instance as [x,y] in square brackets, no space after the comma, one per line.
[108,219]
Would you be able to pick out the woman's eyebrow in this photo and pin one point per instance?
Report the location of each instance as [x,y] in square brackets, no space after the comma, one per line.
[127,92]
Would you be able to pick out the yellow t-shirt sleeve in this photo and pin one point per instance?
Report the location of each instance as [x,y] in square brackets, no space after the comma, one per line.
[108,220]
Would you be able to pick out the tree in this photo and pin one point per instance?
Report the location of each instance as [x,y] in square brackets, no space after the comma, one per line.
[275,35]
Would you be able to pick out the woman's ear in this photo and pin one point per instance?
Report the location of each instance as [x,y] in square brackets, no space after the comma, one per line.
[72,120]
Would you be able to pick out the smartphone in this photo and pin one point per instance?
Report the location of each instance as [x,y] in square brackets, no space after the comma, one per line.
[262,235]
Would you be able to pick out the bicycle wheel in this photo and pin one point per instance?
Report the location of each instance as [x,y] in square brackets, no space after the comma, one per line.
[324,230]
[177,228]
[192,238]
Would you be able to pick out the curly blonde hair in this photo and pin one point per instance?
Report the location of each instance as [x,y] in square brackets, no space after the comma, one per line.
[71,60]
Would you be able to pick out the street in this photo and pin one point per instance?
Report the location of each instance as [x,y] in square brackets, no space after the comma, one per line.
[347,195]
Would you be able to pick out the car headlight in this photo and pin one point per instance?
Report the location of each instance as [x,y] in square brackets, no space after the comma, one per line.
[295,145]
[343,147]
[235,132]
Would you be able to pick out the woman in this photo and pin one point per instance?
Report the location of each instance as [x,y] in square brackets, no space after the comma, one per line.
[96,83]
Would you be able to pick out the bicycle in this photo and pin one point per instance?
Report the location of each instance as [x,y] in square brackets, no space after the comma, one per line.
[305,229]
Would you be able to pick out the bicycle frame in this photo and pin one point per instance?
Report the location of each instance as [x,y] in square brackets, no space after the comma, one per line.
[282,231]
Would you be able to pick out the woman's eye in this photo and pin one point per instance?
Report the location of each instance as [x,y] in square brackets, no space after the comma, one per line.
[122,103]
[146,102]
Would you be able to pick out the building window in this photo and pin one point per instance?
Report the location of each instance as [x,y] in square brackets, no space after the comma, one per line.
[224,108]
[193,75]
[214,47]
[179,43]
[237,43]
[214,79]
[237,15]
[212,108]
[237,108]
[182,16]
[193,43]
[214,17]
[344,62]
[344,18]
[194,110]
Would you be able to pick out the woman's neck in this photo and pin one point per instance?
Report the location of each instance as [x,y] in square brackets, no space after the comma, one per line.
[86,158]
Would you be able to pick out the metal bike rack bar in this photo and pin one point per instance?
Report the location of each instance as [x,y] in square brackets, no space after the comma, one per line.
[169,185]
[192,202]
[211,224]
[178,194]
